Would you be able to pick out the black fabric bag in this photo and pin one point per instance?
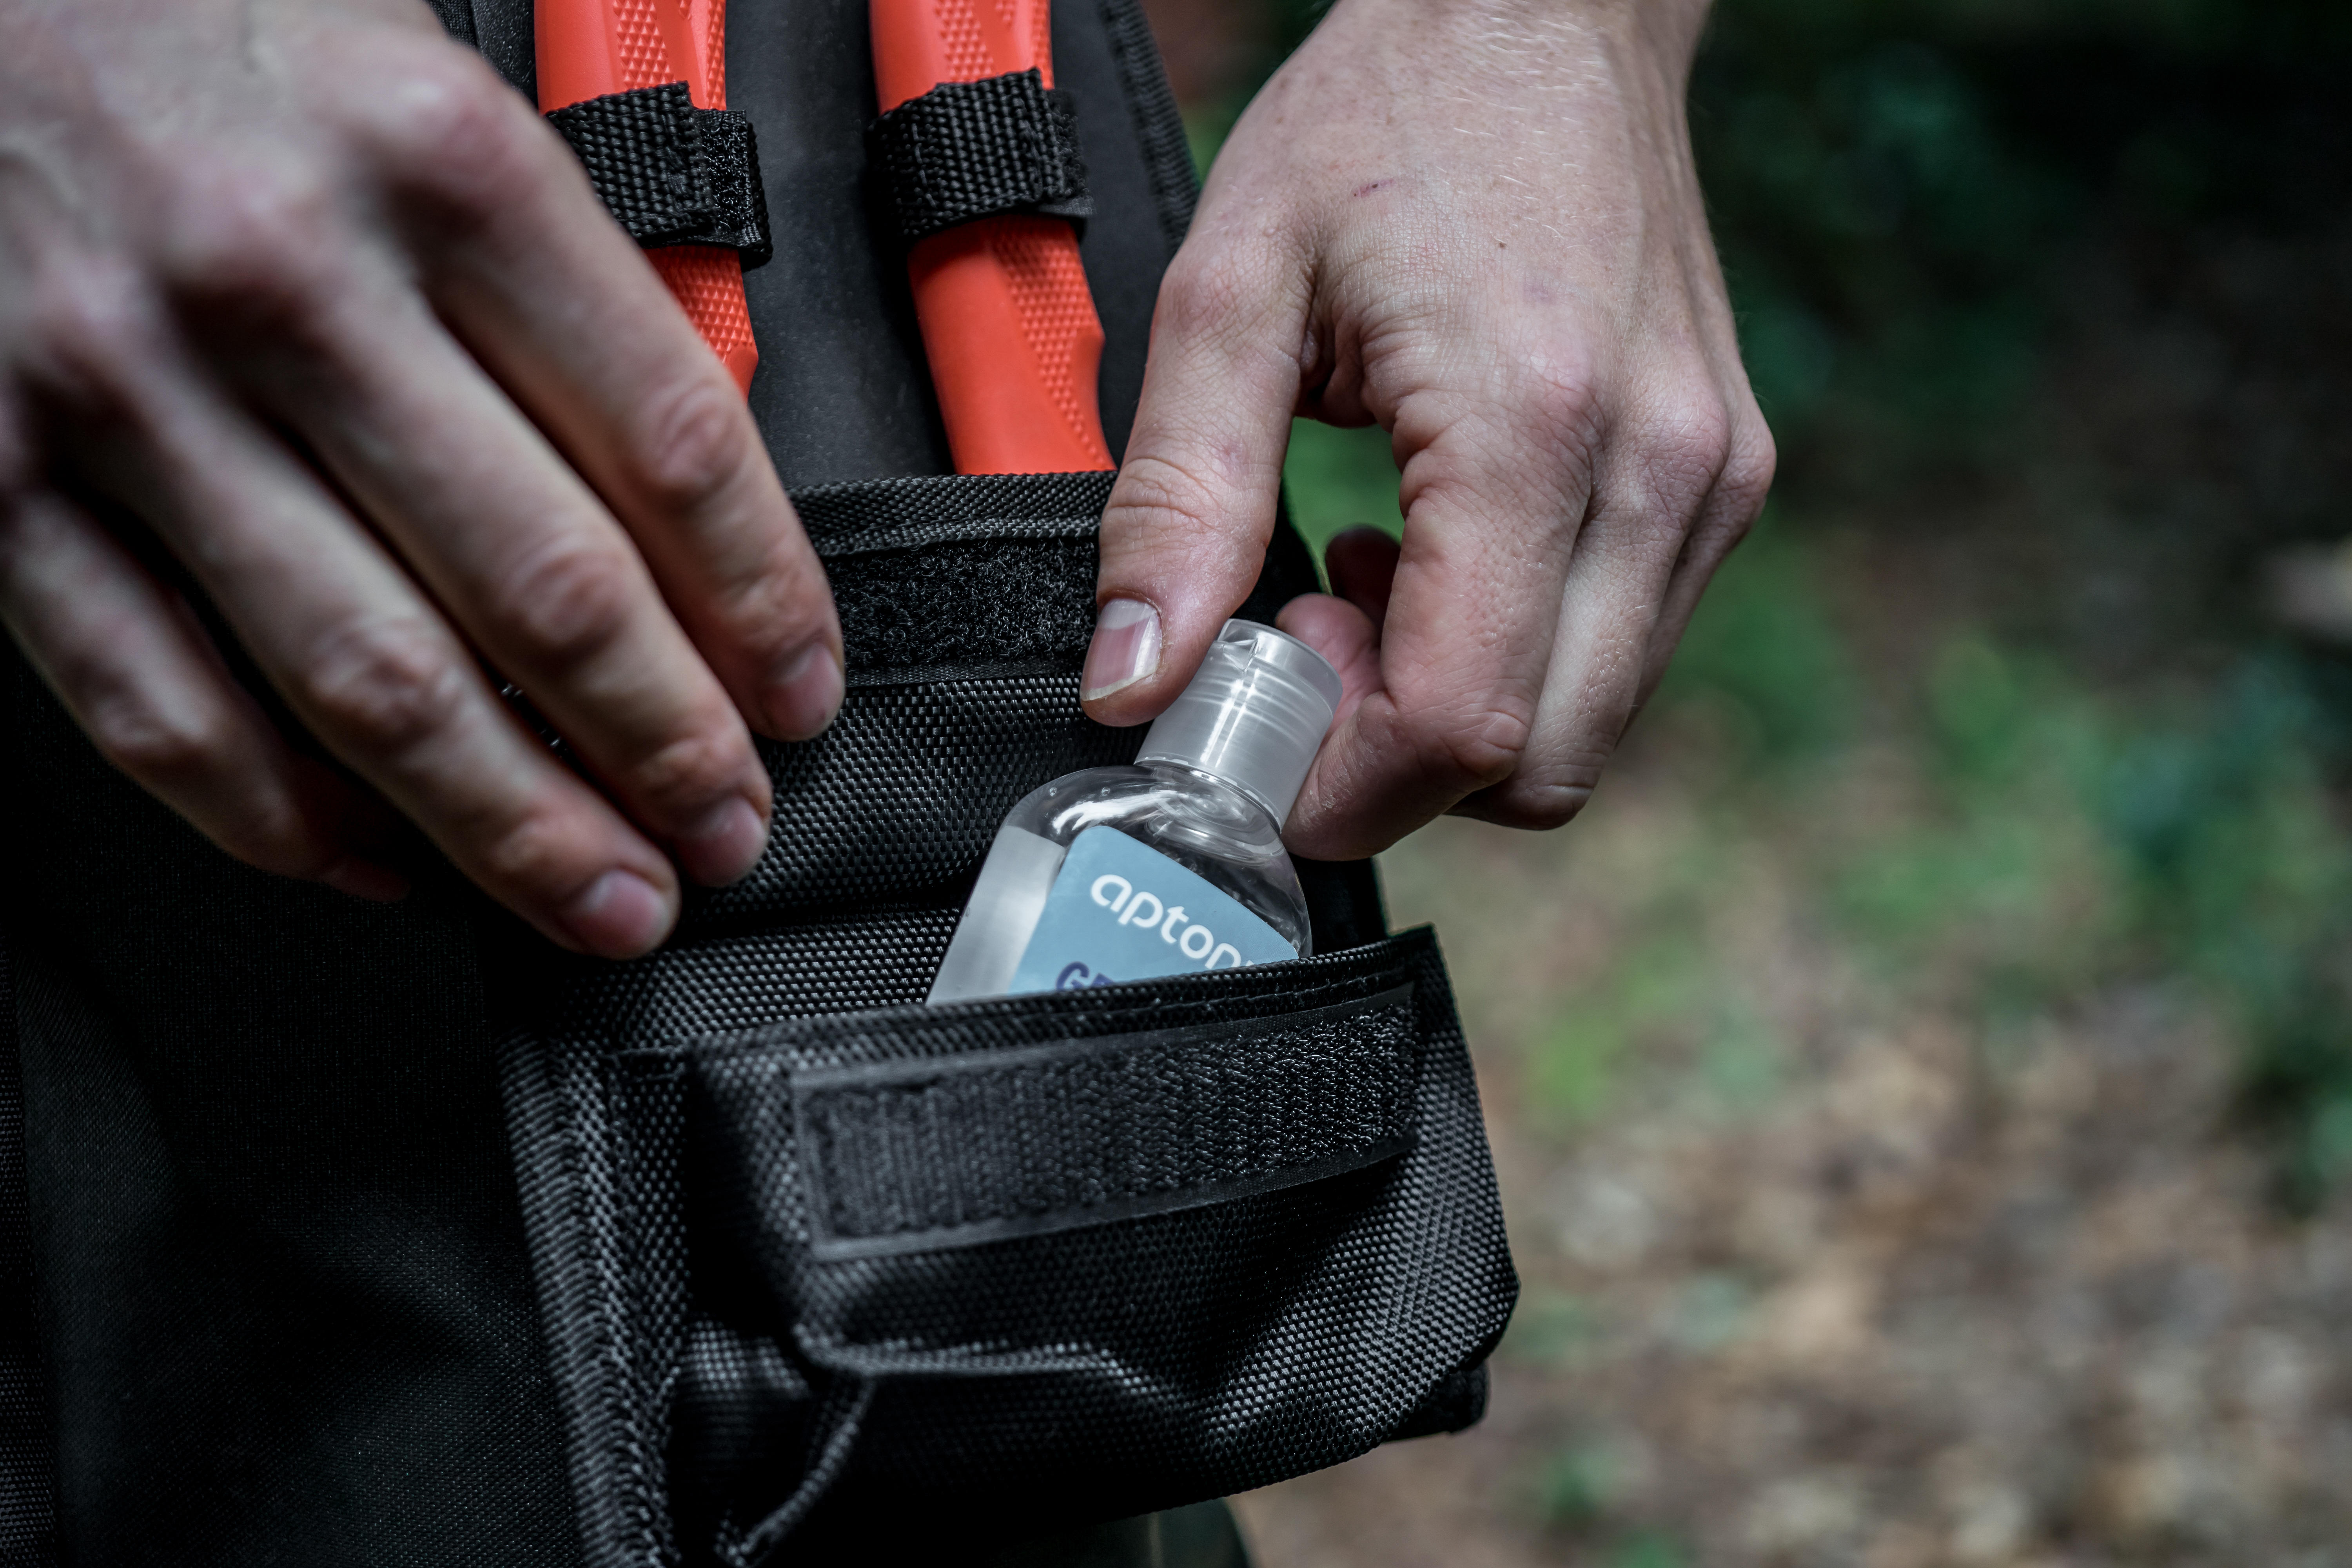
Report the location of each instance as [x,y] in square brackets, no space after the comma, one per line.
[819,1262]
[374,1236]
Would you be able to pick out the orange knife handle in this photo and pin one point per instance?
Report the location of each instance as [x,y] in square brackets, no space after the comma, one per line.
[1008,321]
[587,48]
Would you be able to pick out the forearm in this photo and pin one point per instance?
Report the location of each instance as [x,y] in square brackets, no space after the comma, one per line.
[1538,42]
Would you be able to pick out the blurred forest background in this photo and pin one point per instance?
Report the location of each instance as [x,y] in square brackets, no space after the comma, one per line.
[1923,1079]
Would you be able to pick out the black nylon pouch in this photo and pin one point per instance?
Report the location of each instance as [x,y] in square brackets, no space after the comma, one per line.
[825,1271]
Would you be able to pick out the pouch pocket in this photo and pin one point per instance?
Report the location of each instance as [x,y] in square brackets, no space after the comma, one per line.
[816,1266]
[966,606]
[1092,1253]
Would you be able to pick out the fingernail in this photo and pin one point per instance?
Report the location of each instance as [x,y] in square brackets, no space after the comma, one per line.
[620,915]
[801,702]
[725,844]
[365,879]
[1126,649]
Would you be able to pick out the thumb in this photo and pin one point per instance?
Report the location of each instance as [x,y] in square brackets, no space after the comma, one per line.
[1186,530]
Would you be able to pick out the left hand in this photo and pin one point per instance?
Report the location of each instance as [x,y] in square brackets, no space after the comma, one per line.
[1476,223]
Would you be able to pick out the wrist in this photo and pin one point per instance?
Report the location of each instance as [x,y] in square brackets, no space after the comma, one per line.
[1656,38]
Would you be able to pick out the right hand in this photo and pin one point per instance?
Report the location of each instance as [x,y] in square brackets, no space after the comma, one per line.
[316,299]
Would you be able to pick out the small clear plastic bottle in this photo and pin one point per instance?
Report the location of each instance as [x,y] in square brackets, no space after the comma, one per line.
[1173,866]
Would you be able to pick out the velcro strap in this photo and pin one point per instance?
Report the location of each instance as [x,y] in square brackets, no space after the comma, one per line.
[673,173]
[912,1155]
[970,150]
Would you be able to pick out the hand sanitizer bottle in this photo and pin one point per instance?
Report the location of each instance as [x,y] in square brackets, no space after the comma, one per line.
[1173,866]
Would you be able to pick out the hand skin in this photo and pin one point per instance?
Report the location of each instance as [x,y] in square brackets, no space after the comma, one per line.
[1476,223]
[303,288]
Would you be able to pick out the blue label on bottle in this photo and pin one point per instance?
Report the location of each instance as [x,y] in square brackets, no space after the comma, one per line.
[1121,910]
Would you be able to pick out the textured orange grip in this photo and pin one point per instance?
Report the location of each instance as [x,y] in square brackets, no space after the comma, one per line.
[1008,322]
[587,48]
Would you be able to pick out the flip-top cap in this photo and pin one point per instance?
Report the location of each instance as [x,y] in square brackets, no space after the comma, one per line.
[1254,716]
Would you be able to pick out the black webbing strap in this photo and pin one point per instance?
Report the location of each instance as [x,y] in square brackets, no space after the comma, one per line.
[27,1480]
[970,150]
[673,173]
[1159,124]
[902,1156]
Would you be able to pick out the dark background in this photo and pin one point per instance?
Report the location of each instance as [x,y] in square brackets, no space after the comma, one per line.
[1923,1079]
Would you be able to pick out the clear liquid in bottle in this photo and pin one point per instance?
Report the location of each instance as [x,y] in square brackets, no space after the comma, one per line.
[1172,866]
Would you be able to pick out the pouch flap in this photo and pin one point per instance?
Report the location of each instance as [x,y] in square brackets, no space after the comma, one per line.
[909,1156]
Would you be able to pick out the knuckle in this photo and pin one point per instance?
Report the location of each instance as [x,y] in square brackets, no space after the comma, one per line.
[1696,448]
[773,611]
[697,445]
[1224,291]
[1210,517]
[570,601]
[1537,805]
[452,130]
[260,236]
[534,850]
[1558,398]
[1721,532]
[686,774]
[260,824]
[1565,409]
[1483,746]
[1161,492]
[1739,496]
[90,329]
[385,687]
[1674,473]
[1554,776]
[1536,422]
[1747,472]
[1464,746]
[1201,287]
[170,748]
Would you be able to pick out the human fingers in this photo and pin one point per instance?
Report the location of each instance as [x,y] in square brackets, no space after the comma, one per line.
[1677,493]
[1348,638]
[1344,625]
[1185,533]
[362,658]
[131,665]
[529,271]
[1499,456]
[518,553]
[1732,510]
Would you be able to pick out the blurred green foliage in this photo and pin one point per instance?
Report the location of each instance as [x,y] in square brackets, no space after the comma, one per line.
[1581,1486]
[1578,1484]
[1338,478]
[1549,1328]
[1893,182]
[2057,842]
[1767,645]
[1647,1549]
